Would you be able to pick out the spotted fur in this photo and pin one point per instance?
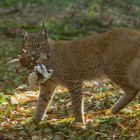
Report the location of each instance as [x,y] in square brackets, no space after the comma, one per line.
[114,54]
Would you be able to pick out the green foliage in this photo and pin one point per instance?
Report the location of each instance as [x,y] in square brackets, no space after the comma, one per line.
[60,4]
[7,3]
[2,98]
[10,75]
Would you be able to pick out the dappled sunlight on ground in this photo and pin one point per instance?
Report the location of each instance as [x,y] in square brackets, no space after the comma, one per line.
[16,116]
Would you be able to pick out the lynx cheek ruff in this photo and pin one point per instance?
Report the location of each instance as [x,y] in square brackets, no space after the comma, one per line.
[33,78]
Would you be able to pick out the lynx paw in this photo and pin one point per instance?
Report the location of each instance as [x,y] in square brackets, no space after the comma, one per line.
[78,124]
[115,110]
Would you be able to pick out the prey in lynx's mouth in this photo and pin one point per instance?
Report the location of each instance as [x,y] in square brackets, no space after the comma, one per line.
[38,73]
[28,61]
[34,79]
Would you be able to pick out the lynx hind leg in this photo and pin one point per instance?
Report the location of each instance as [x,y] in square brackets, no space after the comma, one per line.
[130,94]
[134,73]
[75,89]
[45,97]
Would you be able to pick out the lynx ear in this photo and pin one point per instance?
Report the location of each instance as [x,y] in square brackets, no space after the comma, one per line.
[44,31]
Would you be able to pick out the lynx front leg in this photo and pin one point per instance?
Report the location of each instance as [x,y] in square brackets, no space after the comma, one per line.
[45,97]
[75,89]
[126,99]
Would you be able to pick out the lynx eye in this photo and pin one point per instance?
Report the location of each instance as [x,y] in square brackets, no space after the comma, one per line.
[37,47]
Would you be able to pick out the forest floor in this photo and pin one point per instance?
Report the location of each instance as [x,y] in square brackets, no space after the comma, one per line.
[17,102]
[17,111]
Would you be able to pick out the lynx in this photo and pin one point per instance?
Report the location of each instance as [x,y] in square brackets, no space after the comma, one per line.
[114,54]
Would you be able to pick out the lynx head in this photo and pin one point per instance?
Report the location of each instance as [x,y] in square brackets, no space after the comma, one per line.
[35,45]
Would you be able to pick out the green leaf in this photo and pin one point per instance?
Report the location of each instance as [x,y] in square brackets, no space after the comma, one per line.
[2,98]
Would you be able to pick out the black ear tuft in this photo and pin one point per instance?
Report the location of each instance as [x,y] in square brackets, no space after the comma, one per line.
[44,31]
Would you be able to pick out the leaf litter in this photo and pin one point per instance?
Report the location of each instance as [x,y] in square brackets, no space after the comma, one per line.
[17,110]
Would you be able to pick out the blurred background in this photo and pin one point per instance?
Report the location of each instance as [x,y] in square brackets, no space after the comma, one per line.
[65,19]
